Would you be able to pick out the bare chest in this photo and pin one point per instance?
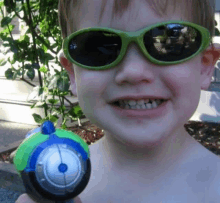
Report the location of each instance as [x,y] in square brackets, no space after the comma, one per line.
[196,182]
[107,188]
[112,191]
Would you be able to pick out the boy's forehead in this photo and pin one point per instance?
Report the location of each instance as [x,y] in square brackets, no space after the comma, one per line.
[138,14]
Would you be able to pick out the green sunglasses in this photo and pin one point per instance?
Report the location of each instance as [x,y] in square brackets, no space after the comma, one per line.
[165,43]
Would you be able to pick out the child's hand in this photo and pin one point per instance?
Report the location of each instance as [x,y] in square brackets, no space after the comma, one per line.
[25,198]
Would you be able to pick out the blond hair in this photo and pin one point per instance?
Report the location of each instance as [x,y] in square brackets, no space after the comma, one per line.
[200,12]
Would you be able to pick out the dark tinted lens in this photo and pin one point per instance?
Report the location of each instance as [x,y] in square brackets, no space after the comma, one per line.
[172,42]
[95,48]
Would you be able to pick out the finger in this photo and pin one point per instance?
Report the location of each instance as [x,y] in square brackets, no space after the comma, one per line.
[24,198]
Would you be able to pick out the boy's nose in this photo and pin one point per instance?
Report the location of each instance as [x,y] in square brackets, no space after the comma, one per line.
[135,67]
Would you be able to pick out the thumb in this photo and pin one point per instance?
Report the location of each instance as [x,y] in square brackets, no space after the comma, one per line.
[24,198]
[77,200]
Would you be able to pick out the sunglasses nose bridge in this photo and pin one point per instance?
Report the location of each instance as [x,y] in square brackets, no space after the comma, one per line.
[132,37]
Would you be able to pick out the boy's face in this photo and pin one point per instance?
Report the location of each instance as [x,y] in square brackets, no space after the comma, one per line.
[135,75]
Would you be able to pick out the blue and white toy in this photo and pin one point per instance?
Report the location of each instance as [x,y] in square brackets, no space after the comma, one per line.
[54,164]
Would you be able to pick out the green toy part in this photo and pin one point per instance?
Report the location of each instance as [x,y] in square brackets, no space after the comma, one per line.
[29,144]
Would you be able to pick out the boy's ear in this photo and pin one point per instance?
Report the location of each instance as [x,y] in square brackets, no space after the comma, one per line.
[65,63]
[69,68]
[210,57]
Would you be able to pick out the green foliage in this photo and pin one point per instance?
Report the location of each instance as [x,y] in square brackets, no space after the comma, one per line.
[39,45]
[217,33]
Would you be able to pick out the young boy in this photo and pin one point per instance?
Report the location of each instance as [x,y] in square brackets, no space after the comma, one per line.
[146,154]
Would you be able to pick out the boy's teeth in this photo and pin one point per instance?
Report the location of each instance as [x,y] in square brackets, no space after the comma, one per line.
[140,104]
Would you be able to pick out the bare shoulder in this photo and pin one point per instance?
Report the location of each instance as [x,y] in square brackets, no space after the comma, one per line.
[210,174]
[214,187]
[201,177]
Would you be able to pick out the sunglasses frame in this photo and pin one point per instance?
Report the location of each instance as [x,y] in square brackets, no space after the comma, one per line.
[137,37]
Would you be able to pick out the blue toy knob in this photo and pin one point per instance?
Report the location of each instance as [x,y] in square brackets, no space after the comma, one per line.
[47,128]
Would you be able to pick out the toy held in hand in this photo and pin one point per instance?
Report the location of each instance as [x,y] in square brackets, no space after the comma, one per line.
[54,164]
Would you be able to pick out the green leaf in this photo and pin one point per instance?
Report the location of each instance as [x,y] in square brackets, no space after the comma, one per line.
[2,62]
[53,101]
[27,38]
[41,91]
[64,126]
[217,33]
[60,109]
[41,54]
[27,66]
[31,73]
[5,21]
[23,42]
[19,72]
[76,112]
[6,30]
[44,48]
[32,106]
[36,66]
[64,93]
[9,74]
[14,48]
[45,106]
[37,118]
[49,57]
[43,69]
[54,118]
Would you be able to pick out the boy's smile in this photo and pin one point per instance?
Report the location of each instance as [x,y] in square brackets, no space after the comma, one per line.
[131,108]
